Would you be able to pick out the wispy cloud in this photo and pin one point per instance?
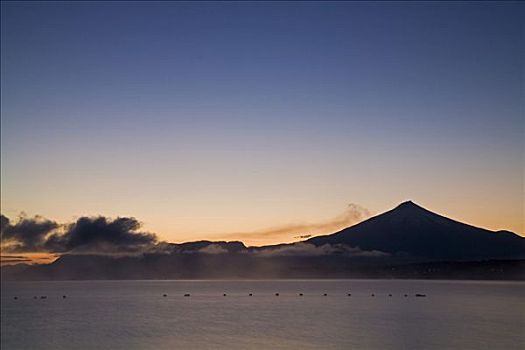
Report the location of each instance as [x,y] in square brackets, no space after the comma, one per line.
[353,214]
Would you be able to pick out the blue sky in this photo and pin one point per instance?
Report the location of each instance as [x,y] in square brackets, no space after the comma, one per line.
[203,118]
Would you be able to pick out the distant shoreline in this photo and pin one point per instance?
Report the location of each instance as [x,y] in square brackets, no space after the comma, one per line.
[490,270]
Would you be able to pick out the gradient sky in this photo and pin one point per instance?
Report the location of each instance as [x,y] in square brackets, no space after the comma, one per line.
[202,119]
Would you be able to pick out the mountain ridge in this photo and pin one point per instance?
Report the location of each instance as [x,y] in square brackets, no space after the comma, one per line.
[411,229]
[407,241]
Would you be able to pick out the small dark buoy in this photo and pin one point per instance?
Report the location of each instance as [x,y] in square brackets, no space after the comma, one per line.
[276,294]
[325,294]
[63,297]
[300,294]
[349,294]
[43,297]
[164,295]
[406,295]
[187,294]
[389,295]
[250,294]
[16,298]
[373,295]
[421,295]
[224,295]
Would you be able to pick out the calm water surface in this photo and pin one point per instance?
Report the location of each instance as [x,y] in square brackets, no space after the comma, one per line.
[135,315]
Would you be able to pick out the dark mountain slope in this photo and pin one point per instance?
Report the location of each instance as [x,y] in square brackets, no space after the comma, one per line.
[412,230]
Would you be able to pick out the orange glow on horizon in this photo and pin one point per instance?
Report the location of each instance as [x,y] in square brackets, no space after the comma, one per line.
[27,258]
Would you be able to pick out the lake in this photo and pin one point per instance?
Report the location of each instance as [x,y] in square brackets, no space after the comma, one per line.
[136,315]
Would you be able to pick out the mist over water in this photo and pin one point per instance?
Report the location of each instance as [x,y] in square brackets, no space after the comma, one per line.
[136,315]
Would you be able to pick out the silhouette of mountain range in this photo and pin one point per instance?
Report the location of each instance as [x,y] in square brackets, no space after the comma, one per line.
[412,230]
[405,242]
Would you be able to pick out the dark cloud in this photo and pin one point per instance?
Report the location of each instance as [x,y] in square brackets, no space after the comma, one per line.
[87,234]
[27,235]
[100,235]
[4,222]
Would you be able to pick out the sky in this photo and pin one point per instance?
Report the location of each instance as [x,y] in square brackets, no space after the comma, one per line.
[241,120]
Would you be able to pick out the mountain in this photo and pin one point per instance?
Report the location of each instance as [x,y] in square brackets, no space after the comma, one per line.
[405,242]
[414,231]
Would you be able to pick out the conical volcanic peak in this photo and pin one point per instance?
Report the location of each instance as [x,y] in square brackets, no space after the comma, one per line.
[411,230]
[411,206]
[407,204]
[409,213]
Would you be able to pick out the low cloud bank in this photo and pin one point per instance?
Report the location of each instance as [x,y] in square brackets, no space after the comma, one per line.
[213,249]
[308,249]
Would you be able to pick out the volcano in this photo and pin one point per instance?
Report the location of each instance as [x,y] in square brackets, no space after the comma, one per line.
[412,230]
